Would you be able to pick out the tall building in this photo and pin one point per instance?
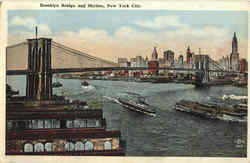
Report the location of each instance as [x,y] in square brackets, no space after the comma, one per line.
[180,59]
[154,54]
[123,62]
[189,55]
[243,65]
[234,56]
[169,57]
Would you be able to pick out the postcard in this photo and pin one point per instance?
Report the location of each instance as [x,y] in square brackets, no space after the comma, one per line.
[135,80]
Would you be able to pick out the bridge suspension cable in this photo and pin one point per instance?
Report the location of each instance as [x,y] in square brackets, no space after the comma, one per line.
[77,52]
[216,64]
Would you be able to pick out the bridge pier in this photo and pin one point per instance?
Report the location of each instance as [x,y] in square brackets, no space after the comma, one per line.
[39,75]
[202,67]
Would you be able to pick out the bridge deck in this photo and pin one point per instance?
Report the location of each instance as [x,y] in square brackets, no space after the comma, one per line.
[71,70]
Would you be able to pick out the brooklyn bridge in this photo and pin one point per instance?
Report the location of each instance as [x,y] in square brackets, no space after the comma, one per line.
[27,57]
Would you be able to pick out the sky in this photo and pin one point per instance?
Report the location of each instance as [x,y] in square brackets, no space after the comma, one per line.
[110,34]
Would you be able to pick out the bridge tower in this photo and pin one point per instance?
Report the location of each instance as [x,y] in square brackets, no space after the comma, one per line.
[202,70]
[39,76]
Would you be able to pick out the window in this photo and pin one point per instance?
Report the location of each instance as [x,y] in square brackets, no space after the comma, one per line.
[79,146]
[83,123]
[30,124]
[47,123]
[69,124]
[77,123]
[107,145]
[89,145]
[97,123]
[69,146]
[91,123]
[39,147]
[48,147]
[40,123]
[9,125]
[34,124]
[55,123]
[21,124]
[28,147]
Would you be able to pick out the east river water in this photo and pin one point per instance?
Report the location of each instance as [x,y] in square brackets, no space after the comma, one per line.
[169,133]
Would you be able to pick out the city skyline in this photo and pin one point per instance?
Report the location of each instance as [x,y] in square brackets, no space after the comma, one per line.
[108,36]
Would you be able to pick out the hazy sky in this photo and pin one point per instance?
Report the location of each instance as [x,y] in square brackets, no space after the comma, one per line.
[114,33]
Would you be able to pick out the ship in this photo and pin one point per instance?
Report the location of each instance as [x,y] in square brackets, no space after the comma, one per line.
[86,86]
[139,106]
[213,111]
[10,92]
[57,84]
[84,83]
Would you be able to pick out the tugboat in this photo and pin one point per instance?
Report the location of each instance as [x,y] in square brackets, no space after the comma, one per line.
[57,84]
[84,83]
[10,92]
[86,86]
[139,106]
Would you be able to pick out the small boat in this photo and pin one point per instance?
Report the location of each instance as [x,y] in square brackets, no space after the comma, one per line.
[84,83]
[56,84]
[86,86]
[139,106]
[10,92]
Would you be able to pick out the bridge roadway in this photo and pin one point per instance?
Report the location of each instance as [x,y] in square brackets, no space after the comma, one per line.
[71,70]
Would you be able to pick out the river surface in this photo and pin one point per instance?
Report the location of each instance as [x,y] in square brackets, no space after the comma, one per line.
[169,133]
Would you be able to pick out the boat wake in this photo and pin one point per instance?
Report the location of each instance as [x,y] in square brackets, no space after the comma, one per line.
[232,119]
[88,88]
[133,106]
[112,99]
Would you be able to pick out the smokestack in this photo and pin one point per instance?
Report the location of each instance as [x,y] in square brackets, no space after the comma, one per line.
[199,51]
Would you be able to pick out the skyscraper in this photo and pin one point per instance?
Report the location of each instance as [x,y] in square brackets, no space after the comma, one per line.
[234,56]
[189,55]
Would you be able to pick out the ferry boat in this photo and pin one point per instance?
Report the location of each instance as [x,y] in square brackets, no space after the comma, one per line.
[139,106]
[214,111]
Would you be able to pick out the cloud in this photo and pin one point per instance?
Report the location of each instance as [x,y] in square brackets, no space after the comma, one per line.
[129,41]
[162,22]
[88,34]
[30,23]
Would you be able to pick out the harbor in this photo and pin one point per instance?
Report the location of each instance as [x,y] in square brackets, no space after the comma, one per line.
[170,132]
[168,93]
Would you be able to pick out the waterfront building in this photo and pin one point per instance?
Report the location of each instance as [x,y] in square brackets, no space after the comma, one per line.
[41,123]
[234,56]
[153,67]
[243,65]
[123,62]
[140,61]
[169,57]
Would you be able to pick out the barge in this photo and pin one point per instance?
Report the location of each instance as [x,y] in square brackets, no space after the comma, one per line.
[213,111]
